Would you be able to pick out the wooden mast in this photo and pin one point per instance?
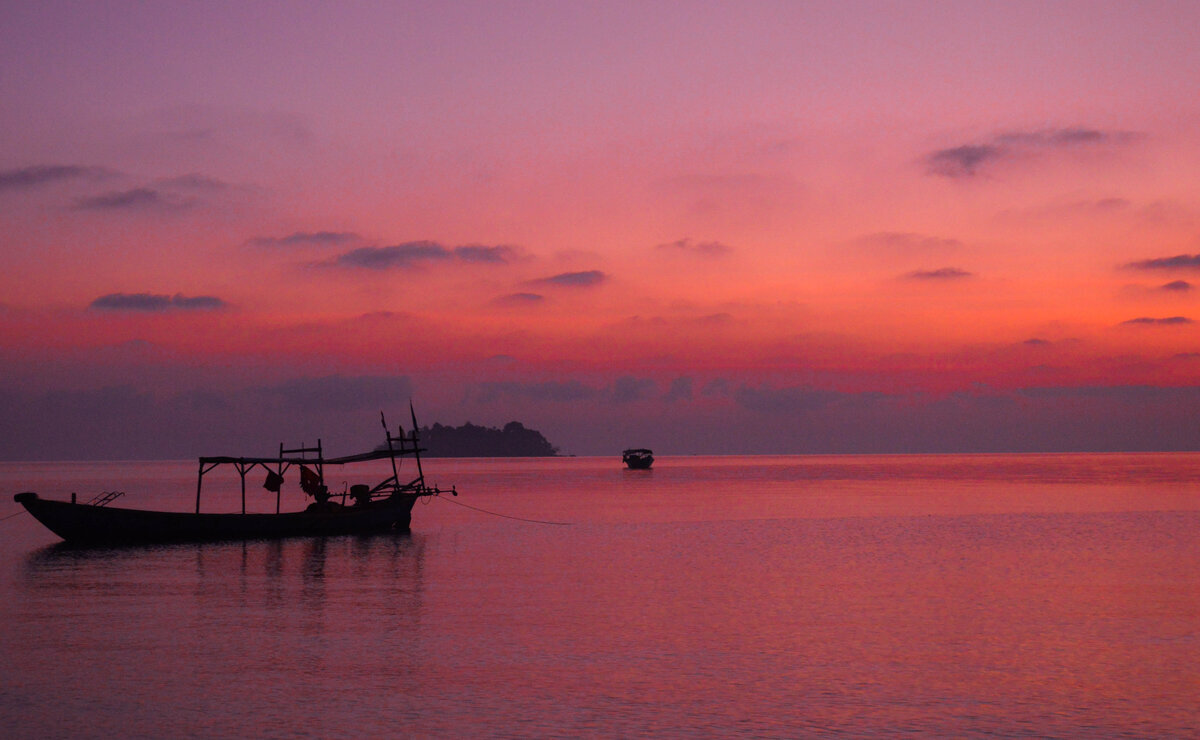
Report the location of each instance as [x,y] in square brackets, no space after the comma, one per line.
[416,444]
[392,452]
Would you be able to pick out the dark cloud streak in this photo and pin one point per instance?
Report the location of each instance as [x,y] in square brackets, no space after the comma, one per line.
[393,257]
[413,254]
[477,253]
[943,273]
[520,299]
[121,200]
[167,193]
[962,161]
[31,177]
[1177,286]
[306,239]
[1150,321]
[969,160]
[155,303]
[584,279]
[1178,262]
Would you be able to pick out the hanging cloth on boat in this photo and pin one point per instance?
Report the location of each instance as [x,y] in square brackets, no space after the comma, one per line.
[310,482]
[273,482]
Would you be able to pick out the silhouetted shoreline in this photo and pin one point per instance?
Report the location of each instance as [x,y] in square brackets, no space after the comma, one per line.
[470,440]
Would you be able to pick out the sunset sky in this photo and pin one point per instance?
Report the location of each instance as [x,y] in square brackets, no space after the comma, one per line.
[701,227]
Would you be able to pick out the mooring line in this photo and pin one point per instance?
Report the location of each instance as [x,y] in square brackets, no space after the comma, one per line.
[10,516]
[506,516]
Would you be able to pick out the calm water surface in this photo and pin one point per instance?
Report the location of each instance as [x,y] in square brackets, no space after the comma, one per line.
[1020,595]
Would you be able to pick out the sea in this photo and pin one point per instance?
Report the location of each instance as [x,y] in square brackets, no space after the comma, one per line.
[772,597]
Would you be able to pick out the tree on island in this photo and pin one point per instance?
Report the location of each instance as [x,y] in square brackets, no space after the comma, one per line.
[469,440]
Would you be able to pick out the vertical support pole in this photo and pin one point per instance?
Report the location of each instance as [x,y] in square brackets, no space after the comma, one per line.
[416,444]
[391,453]
[242,472]
[280,477]
[199,481]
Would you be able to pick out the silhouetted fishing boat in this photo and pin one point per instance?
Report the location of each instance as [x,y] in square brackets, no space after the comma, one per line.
[638,459]
[387,506]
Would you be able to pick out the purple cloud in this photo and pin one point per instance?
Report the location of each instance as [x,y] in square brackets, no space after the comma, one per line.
[412,254]
[1052,137]
[967,160]
[1178,262]
[944,273]
[30,177]
[477,253]
[520,299]
[962,161]
[397,256]
[1148,321]
[584,279]
[126,200]
[154,303]
[306,239]
[1176,286]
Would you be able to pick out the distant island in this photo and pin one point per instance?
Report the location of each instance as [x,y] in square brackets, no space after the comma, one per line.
[469,440]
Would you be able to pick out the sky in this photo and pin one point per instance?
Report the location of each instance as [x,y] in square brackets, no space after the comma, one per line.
[700,227]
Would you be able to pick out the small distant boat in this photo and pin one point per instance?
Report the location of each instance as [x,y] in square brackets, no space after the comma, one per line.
[386,506]
[638,459]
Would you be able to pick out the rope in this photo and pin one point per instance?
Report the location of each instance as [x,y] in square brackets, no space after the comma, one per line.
[10,516]
[505,516]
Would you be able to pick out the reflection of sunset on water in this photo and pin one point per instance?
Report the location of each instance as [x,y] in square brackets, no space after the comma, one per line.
[844,595]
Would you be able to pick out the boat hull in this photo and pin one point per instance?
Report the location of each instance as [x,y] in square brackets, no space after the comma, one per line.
[638,459]
[93,525]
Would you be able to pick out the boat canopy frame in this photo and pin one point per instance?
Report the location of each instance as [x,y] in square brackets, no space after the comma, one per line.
[398,445]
